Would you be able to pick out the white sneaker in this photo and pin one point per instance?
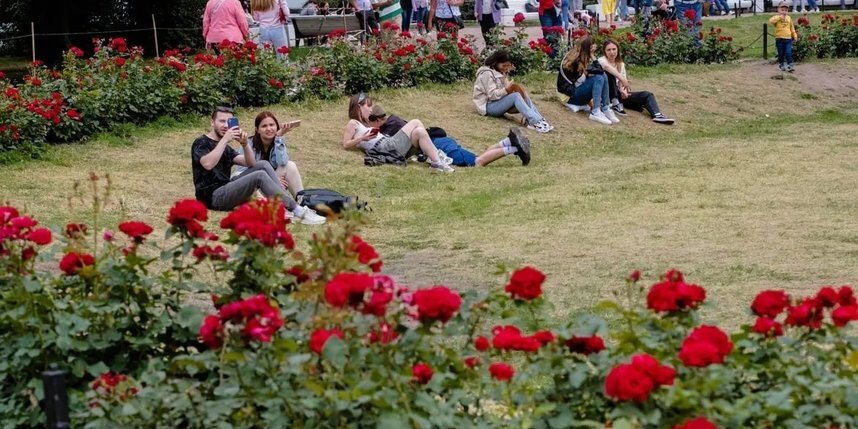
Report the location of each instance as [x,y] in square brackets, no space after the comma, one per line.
[611,116]
[444,158]
[306,215]
[440,166]
[599,117]
[539,127]
[578,108]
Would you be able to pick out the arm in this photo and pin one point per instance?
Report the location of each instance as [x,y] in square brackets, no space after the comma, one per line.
[456,2]
[247,157]
[206,21]
[284,8]
[792,30]
[210,160]
[349,139]
[613,71]
[774,19]
[433,4]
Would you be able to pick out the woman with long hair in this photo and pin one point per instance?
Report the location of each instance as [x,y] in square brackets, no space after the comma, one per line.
[395,149]
[269,144]
[224,20]
[444,14]
[271,16]
[495,94]
[621,93]
[582,79]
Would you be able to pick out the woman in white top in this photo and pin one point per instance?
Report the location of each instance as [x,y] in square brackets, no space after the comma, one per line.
[443,13]
[620,89]
[271,16]
[269,144]
[412,137]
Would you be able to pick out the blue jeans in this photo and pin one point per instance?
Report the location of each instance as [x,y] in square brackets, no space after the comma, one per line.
[406,18]
[623,9]
[784,47]
[276,36]
[723,6]
[681,8]
[419,14]
[595,88]
[498,107]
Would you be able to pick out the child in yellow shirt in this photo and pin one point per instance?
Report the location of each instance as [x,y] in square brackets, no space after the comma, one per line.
[784,36]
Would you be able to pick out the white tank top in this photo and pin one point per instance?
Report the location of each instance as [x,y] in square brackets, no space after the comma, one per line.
[361,131]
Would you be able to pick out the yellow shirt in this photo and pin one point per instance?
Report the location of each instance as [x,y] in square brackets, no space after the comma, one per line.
[783,27]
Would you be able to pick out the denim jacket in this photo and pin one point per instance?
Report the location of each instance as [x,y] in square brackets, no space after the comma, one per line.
[279,156]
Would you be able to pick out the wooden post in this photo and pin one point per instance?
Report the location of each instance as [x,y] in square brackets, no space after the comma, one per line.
[155,31]
[33,37]
[765,41]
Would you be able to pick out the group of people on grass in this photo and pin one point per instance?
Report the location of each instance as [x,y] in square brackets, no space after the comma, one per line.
[263,164]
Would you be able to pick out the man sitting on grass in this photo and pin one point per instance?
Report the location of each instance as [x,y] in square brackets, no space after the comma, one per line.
[212,159]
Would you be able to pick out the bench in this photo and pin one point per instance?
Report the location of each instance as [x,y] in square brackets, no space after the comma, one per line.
[321,25]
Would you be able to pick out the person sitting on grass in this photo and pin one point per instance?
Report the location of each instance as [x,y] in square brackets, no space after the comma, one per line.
[622,95]
[582,79]
[515,143]
[212,158]
[269,144]
[383,149]
[495,94]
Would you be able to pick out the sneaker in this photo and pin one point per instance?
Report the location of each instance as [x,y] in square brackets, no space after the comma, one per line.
[578,108]
[306,215]
[609,113]
[661,119]
[443,157]
[790,68]
[441,167]
[599,117]
[619,109]
[539,127]
[520,142]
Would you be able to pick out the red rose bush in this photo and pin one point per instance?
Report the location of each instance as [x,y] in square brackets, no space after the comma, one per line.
[323,337]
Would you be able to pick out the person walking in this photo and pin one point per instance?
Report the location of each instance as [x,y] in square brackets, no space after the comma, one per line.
[272,16]
[224,20]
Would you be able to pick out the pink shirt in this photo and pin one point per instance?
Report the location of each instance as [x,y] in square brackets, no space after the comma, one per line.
[271,18]
[226,23]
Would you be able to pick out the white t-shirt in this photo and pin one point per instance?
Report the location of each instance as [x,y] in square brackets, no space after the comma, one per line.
[487,6]
[622,68]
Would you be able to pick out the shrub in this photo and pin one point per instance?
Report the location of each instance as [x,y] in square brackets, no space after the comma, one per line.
[322,338]
[835,37]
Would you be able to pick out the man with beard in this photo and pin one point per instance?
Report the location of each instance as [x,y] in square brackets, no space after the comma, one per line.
[212,159]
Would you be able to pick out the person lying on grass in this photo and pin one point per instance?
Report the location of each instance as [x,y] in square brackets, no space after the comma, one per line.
[382,149]
[622,94]
[269,144]
[212,158]
[515,143]
[495,94]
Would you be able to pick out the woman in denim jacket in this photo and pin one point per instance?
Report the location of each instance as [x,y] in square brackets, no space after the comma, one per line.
[269,144]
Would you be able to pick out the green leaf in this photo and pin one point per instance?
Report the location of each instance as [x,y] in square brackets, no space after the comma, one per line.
[190,317]
[335,352]
[623,424]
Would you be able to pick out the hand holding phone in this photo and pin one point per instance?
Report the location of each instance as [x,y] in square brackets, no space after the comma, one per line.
[232,122]
[374,131]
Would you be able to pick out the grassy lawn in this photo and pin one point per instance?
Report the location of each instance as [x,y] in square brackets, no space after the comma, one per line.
[755,187]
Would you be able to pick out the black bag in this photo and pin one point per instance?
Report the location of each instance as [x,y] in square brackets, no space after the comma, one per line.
[435,132]
[595,68]
[336,202]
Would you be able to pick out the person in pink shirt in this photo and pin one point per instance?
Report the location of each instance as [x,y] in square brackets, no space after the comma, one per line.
[271,16]
[224,20]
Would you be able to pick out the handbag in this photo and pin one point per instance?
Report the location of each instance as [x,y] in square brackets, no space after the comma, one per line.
[457,19]
[327,201]
[594,68]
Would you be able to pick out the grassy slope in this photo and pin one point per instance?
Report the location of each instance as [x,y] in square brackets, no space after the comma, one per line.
[739,200]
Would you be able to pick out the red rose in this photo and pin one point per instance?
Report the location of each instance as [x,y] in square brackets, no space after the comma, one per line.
[119,61]
[320,336]
[366,253]
[625,382]
[348,289]
[481,343]
[585,345]
[526,284]
[501,371]
[41,236]
[73,114]
[844,314]
[211,332]
[690,14]
[544,337]
[385,334]
[436,303]
[845,294]
[636,274]
[770,303]
[661,375]
[136,230]
[518,18]
[77,52]
[75,230]
[217,252]
[185,211]
[808,313]
[697,423]
[73,262]
[261,220]
[827,297]
[674,294]
[768,327]
[472,361]
[283,50]
[705,345]
[421,373]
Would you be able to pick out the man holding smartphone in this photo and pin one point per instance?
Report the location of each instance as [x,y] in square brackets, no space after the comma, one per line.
[212,159]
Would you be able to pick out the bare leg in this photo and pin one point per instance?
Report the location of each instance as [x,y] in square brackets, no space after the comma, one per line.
[293,177]
[492,154]
[420,138]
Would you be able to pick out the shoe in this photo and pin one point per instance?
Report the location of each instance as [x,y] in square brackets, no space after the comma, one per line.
[444,158]
[659,118]
[609,113]
[520,142]
[790,68]
[599,117]
[782,67]
[618,109]
[306,215]
[441,167]
[539,127]
[578,108]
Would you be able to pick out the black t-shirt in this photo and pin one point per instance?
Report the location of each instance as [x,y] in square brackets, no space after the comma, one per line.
[207,181]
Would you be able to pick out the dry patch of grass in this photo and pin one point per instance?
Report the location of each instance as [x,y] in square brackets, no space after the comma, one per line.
[739,201]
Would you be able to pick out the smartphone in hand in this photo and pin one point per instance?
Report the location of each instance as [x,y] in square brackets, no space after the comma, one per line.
[373,131]
[232,122]
[293,124]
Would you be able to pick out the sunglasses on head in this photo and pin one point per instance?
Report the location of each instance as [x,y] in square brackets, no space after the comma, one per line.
[361,98]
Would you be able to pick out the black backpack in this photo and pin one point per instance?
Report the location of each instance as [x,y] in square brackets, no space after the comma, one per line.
[335,201]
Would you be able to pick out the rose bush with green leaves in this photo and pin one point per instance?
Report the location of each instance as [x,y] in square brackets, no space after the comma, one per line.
[322,337]
[835,37]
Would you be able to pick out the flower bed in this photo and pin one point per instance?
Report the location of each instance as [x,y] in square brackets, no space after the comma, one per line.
[117,85]
[835,37]
[322,338]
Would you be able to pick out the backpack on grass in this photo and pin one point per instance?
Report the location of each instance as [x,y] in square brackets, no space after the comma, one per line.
[335,201]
